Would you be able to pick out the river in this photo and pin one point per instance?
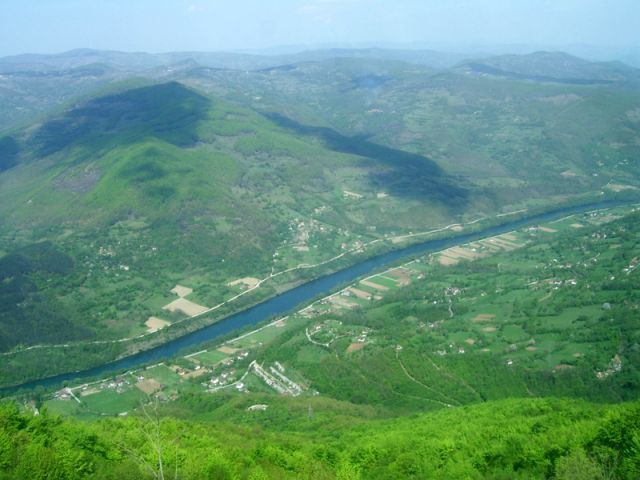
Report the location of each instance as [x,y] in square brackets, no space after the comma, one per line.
[289,300]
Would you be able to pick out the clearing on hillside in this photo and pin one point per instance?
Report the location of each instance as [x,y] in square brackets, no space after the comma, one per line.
[246,281]
[228,350]
[181,291]
[360,293]
[377,286]
[185,306]
[341,301]
[400,274]
[355,346]
[453,255]
[154,324]
[483,317]
[618,187]
[149,386]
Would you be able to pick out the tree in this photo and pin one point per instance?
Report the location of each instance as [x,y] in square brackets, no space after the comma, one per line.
[577,466]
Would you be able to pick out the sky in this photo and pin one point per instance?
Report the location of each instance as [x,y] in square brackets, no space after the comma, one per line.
[51,26]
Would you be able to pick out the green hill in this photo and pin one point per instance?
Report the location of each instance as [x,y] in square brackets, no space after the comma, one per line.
[158,185]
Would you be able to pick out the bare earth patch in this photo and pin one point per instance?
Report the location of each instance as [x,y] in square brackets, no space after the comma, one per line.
[483,317]
[185,306]
[576,225]
[489,329]
[341,301]
[568,174]
[447,261]
[502,242]
[149,385]
[360,293]
[619,187]
[248,281]
[547,229]
[280,323]
[377,286]
[401,275]
[531,349]
[470,341]
[453,255]
[457,228]
[228,350]
[154,324]
[88,391]
[195,373]
[355,346]
[181,291]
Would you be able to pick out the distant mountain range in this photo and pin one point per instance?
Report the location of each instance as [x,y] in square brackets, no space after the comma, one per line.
[553,67]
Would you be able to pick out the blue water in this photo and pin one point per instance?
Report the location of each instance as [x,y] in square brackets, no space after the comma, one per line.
[286,302]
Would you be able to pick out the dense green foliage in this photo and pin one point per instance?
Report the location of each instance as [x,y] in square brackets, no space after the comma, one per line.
[27,314]
[508,439]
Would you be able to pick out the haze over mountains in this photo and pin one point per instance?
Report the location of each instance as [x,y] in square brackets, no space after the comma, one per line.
[71,73]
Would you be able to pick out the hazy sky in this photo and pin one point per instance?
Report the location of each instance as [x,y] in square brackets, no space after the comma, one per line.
[46,26]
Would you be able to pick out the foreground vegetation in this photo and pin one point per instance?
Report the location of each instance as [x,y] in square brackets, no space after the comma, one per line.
[506,439]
